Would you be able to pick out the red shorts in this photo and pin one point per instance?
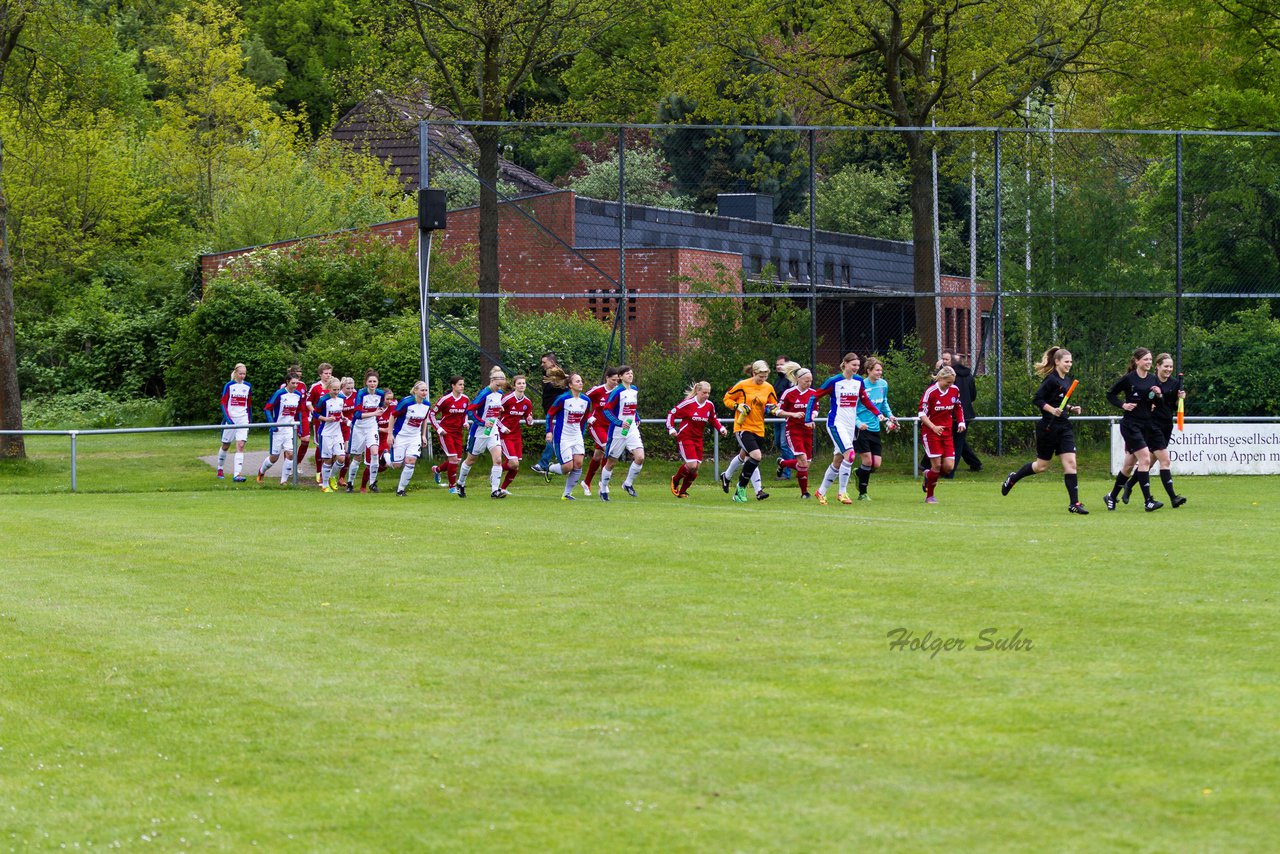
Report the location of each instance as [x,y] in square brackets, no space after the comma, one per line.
[938,446]
[600,434]
[304,425]
[513,445]
[450,444]
[801,440]
[690,450]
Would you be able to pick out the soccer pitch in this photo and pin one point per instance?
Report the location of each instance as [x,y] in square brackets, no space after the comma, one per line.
[219,666]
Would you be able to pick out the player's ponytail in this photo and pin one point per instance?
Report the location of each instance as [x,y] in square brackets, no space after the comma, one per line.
[1138,354]
[1048,360]
[945,371]
[695,388]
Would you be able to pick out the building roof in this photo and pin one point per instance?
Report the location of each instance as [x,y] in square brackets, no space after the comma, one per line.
[387,126]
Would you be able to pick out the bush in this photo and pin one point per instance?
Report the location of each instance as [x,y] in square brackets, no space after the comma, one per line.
[93,410]
[1229,369]
[235,322]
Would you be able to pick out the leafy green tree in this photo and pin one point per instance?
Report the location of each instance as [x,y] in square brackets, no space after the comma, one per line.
[648,180]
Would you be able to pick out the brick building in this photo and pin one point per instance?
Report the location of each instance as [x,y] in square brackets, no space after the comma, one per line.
[568,247]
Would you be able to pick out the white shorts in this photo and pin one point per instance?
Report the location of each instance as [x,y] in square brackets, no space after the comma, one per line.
[408,444]
[236,435]
[630,442]
[362,440]
[480,443]
[842,436]
[281,441]
[571,446]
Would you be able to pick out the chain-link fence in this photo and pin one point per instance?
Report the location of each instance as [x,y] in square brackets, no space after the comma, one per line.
[692,251]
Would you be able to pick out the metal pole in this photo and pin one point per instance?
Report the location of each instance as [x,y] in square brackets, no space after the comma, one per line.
[974,319]
[73,460]
[622,245]
[424,266]
[715,438]
[915,451]
[295,456]
[1177,303]
[998,320]
[937,254]
[813,251]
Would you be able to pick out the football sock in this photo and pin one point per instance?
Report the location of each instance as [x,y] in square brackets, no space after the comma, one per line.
[354,469]
[606,475]
[592,468]
[802,475]
[372,471]
[222,459]
[1144,481]
[266,464]
[755,479]
[495,478]
[555,468]
[287,471]
[406,474]
[748,469]
[463,471]
[828,478]
[1025,471]
[632,474]
[846,469]
[1073,487]
[507,478]
[735,466]
[1119,484]
[930,481]
[1166,477]
[571,481]
[326,471]
[864,478]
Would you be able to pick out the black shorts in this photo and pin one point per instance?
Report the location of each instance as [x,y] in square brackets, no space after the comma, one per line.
[1134,435]
[1158,436]
[868,441]
[1054,437]
[748,441]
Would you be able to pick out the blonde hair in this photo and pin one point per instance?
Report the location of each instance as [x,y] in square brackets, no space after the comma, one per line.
[869,365]
[1050,360]
[557,377]
[794,371]
[333,383]
[238,366]
[945,371]
[351,380]
[756,367]
[700,385]
[414,390]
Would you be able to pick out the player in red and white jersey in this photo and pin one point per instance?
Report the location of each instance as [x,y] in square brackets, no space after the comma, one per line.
[236,408]
[348,417]
[318,389]
[687,421]
[517,411]
[599,428]
[792,406]
[939,410]
[449,418]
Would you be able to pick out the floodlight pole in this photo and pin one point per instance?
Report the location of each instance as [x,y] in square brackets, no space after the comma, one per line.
[1177,303]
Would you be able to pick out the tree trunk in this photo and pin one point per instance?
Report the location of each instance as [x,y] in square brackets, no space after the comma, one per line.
[487,139]
[11,447]
[922,243]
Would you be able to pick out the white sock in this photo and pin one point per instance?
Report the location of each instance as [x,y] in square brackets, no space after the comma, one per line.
[828,478]
[845,470]
[326,471]
[632,473]
[755,480]
[287,471]
[353,474]
[373,469]
[606,475]
[495,478]
[571,481]
[239,464]
[406,474]
[463,471]
[735,466]
[222,459]
[266,464]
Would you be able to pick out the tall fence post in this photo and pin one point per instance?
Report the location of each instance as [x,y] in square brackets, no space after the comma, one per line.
[424,269]
[1177,244]
[73,460]
[813,252]
[715,438]
[622,245]
[998,320]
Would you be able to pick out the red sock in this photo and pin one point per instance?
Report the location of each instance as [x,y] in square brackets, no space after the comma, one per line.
[452,468]
[930,481]
[592,469]
[690,475]
[508,477]
[803,478]
[788,464]
[364,477]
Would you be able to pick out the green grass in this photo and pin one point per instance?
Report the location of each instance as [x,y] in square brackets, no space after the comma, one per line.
[215,666]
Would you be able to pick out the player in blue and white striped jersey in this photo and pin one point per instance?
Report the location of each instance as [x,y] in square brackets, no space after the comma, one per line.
[485,436]
[622,411]
[565,420]
[411,417]
[285,405]
[236,405]
[369,403]
[847,390]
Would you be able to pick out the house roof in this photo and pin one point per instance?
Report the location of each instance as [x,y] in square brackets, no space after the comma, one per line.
[387,126]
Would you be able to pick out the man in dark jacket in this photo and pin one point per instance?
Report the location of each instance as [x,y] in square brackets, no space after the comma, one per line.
[968,391]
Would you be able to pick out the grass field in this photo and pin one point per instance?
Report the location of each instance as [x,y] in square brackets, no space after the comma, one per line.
[218,666]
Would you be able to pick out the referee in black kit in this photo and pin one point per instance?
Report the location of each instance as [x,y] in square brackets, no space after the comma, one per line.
[1136,393]
[1054,434]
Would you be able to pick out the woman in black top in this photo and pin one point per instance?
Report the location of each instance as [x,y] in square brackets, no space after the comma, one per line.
[1053,432]
[1136,393]
[1171,391]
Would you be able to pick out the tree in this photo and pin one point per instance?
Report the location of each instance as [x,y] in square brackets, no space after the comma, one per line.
[51,58]
[903,64]
[480,54]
